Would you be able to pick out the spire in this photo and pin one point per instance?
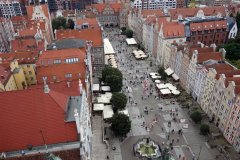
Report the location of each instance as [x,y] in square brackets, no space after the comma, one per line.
[166,153]
[80,86]
[46,89]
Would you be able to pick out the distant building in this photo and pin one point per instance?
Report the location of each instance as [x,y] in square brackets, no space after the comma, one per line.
[6,34]
[10,8]
[19,22]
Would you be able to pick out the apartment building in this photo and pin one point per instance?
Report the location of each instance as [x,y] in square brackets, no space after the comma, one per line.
[95,36]
[19,22]
[10,8]
[153,4]
[6,35]
[217,3]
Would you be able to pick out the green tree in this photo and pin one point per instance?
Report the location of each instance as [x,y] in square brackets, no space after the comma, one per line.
[235,63]
[61,28]
[161,71]
[119,100]
[196,117]
[70,24]
[107,71]
[115,83]
[231,15]
[138,46]
[238,20]
[123,29]
[164,75]
[232,49]
[129,33]
[204,128]
[120,123]
[59,21]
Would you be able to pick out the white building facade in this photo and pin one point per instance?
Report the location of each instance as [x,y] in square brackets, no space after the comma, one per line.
[154,4]
[6,35]
[10,8]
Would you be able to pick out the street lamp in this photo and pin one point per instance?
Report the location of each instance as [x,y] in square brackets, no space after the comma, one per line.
[199,152]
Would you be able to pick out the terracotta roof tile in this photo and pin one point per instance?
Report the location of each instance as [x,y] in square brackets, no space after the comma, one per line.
[5,74]
[22,45]
[156,12]
[219,68]
[27,32]
[207,56]
[30,10]
[36,25]
[91,21]
[201,50]
[39,111]
[235,79]
[115,6]
[93,34]
[192,12]
[237,89]
[18,19]
[173,30]
[60,70]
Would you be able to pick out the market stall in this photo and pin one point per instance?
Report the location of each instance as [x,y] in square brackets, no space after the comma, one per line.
[107,111]
[169,71]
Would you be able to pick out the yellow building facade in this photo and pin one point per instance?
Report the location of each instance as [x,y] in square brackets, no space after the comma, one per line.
[18,75]
[29,73]
[11,84]
[166,56]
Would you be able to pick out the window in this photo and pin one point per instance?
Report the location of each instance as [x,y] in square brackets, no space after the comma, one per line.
[42,63]
[100,55]
[49,62]
[223,35]
[211,30]
[226,111]
[24,72]
[215,90]
[217,102]
[31,78]
[68,75]
[199,37]
[28,66]
[237,101]
[224,98]
[205,37]
[213,98]
[30,72]
[217,35]
[54,77]
[215,108]
[224,119]
[220,114]
[206,32]
[231,117]
[57,61]
[234,108]
[218,30]
[226,133]
[221,40]
[193,33]
[100,61]
[216,42]
[211,36]
[199,32]
[193,38]
[229,103]
[210,42]
[219,93]
[26,79]
[222,107]
[79,74]
[231,137]
[236,122]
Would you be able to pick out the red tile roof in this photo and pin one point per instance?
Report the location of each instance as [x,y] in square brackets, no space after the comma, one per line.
[201,50]
[219,68]
[36,25]
[192,12]
[237,89]
[40,111]
[60,70]
[24,58]
[5,74]
[235,79]
[22,45]
[91,21]
[156,12]
[27,32]
[115,6]
[30,10]
[93,34]
[62,87]
[19,19]
[173,30]
[230,73]
[207,56]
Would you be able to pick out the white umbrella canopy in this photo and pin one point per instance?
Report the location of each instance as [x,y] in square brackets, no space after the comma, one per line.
[152,74]
[176,92]
[172,88]
[154,77]
[157,81]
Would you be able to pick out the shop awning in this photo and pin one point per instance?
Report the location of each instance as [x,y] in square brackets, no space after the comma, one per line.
[106,88]
[124,112]
[176,92]
[98,107]
[131,41]
[107,111]
[95,87]
[175,76]
[169,71]
[165,91]
[161,86]
[103,99]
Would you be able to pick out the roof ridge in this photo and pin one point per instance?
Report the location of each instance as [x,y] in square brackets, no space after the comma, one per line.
[58,97]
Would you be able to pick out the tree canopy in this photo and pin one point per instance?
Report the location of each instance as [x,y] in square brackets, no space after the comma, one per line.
[115,83]
[119,100]
[121,123]
[70,24]
[124,28]
[161,70]
[107,71]
[129,33]
[232,49]
[59,23]
[204,128]
[196,117]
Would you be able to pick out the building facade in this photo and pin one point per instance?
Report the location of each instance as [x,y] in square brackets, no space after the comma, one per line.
[6,35]
[10,8]
[155,4]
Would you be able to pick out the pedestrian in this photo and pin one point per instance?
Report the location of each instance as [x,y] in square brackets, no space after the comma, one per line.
[141,115]
[146,127]
[162,128]
[179,156]
[172,153]
[193,156]
[138,116]
[163,143]
[172,140]
[107,157]
[106,147]
[178,139]
[145,98]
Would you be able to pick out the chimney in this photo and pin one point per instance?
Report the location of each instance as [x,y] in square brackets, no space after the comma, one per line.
[79,30]
[2,77]
[92,27]
[68,83]
[61,32]
[19,41]
[46,88]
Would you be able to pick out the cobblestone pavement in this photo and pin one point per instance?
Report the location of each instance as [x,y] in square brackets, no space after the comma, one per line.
[190,136]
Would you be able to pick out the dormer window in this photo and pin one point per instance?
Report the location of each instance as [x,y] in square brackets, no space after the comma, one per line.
[194,33]
[192,27]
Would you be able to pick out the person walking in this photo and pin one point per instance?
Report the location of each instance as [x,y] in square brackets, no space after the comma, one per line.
[179,156]
[193,156]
